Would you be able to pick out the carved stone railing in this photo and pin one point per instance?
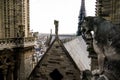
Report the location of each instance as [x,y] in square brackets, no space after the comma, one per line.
[16,42]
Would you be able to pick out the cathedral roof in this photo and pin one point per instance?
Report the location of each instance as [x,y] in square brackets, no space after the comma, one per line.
[77,50]
[56,60]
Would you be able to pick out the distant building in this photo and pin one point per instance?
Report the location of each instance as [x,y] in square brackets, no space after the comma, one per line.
[14,18]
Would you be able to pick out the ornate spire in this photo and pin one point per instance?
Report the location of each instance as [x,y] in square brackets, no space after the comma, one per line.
[82,14]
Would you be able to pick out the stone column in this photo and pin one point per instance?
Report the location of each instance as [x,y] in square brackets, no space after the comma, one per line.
[22,67]
[5,73]
[11,74]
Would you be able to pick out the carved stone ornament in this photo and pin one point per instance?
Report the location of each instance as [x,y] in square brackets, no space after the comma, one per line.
[106,43]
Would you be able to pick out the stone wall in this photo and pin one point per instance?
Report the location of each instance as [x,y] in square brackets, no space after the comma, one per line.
[28,62]
[56,63]
[26,65]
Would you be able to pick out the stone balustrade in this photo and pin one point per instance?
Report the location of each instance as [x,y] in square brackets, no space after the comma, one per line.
[16,42]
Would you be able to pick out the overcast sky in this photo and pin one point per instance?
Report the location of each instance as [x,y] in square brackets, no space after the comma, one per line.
[44,12]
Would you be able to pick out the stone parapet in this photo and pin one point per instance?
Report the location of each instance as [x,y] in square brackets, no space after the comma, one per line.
[16,42]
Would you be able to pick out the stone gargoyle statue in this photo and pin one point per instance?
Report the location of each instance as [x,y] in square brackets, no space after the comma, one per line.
[106,43]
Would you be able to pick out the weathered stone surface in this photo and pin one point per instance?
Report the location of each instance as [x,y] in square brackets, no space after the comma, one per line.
[56,62]
[106,43]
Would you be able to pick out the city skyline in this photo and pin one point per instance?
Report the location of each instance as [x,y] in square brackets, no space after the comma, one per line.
[44,12]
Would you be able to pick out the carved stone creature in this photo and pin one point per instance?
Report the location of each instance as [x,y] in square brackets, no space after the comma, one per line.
[106,43]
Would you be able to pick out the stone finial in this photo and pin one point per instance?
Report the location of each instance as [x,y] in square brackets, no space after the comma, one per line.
[56,27]
[50,31]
